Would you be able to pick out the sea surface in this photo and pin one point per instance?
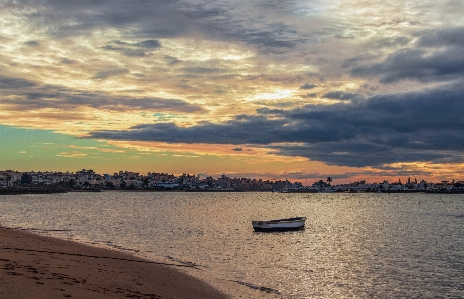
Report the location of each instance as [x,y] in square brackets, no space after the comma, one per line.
[354,246]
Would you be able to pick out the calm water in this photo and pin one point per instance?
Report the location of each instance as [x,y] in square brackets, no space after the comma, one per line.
[354,245]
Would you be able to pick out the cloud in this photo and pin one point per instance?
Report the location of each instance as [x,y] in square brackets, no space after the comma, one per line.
[444,37]
[73,154]
[149,44]
[437,56]
[202,70]
[105,74]
[390,42]
[49,97]
[267,26]
[343,96]
[32,43]
[170,56]
[68,61]
[403,127]
[308,86]
[15,83]
[137,49]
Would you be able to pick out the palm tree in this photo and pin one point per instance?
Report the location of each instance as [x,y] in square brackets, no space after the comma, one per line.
[8,180]
[329,180]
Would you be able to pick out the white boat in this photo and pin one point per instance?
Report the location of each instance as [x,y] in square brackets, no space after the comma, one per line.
[279,225]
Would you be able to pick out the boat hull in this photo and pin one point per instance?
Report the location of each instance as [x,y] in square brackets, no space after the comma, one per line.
[280,225]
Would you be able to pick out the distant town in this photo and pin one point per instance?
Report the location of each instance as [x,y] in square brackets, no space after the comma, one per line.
[15,182]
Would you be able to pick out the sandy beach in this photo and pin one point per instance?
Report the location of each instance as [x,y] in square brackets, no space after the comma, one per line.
[35,266]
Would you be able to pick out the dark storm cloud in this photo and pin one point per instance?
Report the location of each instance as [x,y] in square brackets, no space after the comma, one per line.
[253,23]
[361,153]
[236,131]
[342,96]
[268,38]
[308,86]
[148,44]
[49,97]
[438,56]
[446,37]
[144,19]
[309,95]
[257,23]
[15,83]
[403,127]
[417,65]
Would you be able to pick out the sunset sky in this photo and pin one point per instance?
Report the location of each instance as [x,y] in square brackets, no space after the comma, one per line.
[301,90]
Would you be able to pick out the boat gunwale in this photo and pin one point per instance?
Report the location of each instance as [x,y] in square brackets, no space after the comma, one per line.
[285,220]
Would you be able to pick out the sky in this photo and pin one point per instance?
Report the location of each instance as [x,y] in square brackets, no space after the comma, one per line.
[298,90]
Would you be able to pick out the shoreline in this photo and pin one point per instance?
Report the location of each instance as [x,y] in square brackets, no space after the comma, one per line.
[33,265]
[21,191]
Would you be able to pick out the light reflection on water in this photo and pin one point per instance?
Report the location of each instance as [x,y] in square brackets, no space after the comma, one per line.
[354,245]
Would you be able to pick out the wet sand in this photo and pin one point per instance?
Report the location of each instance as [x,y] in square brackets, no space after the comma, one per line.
[34,266]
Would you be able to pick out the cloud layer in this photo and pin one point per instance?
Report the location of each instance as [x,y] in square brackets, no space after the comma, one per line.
[437,56]
[359,84]
[388,128]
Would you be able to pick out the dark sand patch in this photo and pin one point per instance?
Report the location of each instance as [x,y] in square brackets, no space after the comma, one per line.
[34,266]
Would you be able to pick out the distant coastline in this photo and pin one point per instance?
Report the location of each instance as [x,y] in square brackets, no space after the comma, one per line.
[37,182]
[25,190]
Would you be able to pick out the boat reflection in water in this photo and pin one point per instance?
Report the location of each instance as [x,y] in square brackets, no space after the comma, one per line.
[279,225]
